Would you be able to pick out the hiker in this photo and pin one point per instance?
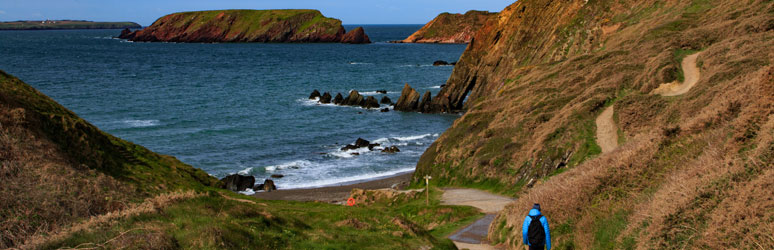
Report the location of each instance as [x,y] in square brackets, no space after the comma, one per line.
[535,230]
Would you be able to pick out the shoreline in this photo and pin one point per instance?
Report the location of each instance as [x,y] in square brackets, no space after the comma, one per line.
[335,194]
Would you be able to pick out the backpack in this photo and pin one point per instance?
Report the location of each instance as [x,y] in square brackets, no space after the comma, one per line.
[536,234]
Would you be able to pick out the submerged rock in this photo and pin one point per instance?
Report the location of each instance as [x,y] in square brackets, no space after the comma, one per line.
[381,91]
[409,99]
[237,182]
[440,63]
[385,100]
[326,98]
[315,94]
[338,99]
[384,110]
[277,176]
[391,150]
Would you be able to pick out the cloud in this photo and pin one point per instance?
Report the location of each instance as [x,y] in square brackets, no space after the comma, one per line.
[2,12]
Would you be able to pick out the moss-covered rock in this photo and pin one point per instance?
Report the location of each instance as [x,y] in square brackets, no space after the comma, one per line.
[451,28]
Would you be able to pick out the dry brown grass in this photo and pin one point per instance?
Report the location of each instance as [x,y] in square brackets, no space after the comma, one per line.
[41,191]
[694,171]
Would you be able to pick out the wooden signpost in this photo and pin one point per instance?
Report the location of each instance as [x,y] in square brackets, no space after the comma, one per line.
[427,189]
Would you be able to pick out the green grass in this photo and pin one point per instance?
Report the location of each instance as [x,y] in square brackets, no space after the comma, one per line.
[214,222]
[607,229]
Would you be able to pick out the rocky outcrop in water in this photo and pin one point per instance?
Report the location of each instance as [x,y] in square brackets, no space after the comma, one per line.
[409,99]
[391,150]
[277,26]
[385,100]
[356,36]
[338,99]
[353,99]
[370,103]
[325,98]
[315,94]
[360,143]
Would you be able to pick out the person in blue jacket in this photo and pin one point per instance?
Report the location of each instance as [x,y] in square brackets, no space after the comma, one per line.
[535,230]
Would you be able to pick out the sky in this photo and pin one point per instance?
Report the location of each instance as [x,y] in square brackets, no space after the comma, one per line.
[145,12]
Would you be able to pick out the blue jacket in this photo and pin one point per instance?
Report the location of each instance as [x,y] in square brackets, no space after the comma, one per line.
[543,220]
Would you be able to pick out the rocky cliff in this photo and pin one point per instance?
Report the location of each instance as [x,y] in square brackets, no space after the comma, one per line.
[295,26]
[66,24]
[691,169]
[451,28]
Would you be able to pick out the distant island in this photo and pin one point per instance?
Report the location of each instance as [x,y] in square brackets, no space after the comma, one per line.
[293,26]
[66,24]
[451,28]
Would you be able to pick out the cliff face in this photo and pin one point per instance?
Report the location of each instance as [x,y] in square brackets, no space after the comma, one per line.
[245,26]
[451,28]
[534,81]
[66,24]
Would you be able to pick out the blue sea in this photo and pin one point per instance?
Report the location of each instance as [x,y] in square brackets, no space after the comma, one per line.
[243,108]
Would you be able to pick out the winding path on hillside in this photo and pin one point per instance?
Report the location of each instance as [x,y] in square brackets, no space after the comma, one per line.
[474,235]
[691,73]
[607,132]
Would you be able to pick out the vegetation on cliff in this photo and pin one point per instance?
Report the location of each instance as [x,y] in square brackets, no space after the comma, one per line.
[693,170]
[66,24]
[246,26]
[451,28]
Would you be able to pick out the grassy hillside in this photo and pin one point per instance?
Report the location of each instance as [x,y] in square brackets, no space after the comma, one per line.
[65,24]
[691,171]
[243,26]
[68,184]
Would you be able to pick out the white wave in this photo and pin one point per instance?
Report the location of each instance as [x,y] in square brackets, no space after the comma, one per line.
[436,87]
[245,171]
[248,191]
[287,165]
[436,135]
[359,63]
[377,93]
[382,140]
[348,153]
[140,123]
[412,138]
[350,179]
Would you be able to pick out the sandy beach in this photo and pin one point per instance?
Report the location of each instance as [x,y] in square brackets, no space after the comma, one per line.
[334,194]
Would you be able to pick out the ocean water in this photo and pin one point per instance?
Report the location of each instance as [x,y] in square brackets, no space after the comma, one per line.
[242,108]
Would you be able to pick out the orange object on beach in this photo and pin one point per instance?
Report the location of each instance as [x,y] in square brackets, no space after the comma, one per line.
[350,201]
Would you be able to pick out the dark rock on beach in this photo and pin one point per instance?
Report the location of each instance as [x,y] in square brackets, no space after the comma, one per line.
[384,110]
[326,98]
[381,91]
[268,185]
[315,94]
[338,99]
[237,182]
[385,100]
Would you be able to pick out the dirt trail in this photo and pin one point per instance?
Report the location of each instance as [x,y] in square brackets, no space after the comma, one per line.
[607,132]
[473,236]
[691,73]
